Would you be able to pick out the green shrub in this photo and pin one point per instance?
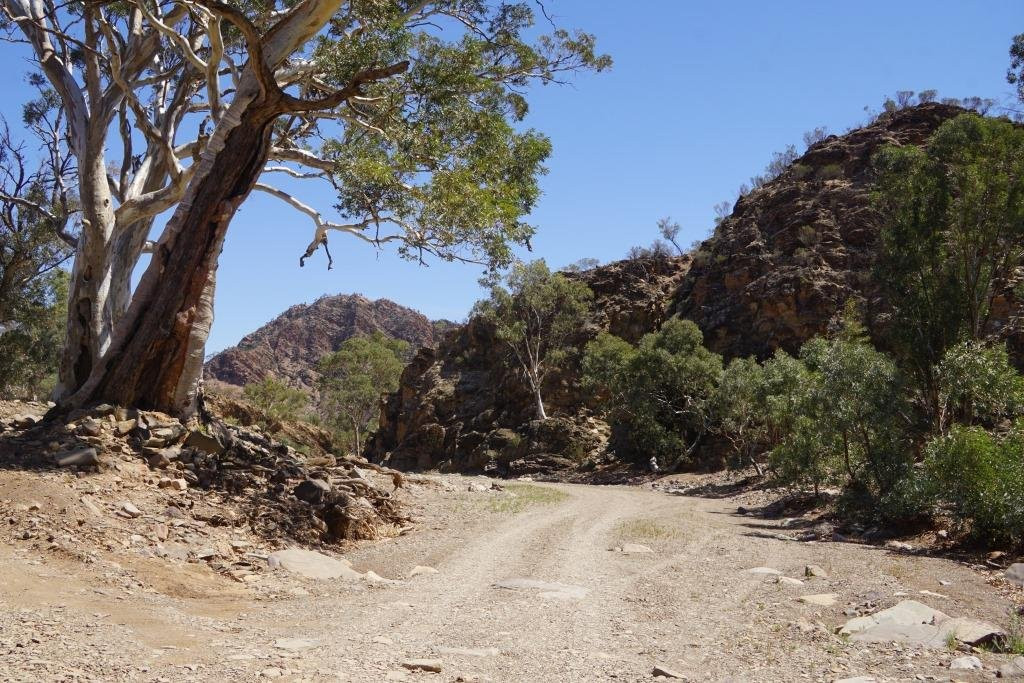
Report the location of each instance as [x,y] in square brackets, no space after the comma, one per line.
[276,399]
[830,172]
[980,476]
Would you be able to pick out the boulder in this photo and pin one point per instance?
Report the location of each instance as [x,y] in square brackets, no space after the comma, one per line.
[312,491]
[965,663]
[1013,669]
[1015,573]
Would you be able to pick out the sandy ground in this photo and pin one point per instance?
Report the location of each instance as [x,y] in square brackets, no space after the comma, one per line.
[689,606]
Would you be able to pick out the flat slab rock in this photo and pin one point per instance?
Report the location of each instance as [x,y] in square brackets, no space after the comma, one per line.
[915,623]
[312,565]
[820,599]
[632,549]
[556,591]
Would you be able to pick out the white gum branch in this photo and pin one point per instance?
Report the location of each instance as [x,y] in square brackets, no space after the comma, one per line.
[292,172]
[179,41]
[301,156]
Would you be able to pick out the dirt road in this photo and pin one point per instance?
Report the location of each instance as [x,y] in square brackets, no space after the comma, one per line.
[526,589]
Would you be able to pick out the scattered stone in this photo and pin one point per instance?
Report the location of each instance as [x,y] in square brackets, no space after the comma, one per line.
[311,564]
[915,623]
[125,427]
[787,581]
[965,663]
[898,545]
[478,488]
[664,672]
[932,594]
[204,443]
[293,644]
[90,427]
[970,631]
[768,571]
[942,533]
[632,549]
[1014,669]
[469,652]
[1015,573]
[419,570]
[857,679]
[374,577]
[129,509]
[312,491]
[557,591]
[80,456]
[382,640]
[814,571]
[432,665]
[820,599]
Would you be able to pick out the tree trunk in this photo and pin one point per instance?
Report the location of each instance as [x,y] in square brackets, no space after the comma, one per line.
[533,376]
[155,355]
[158,352]
[90,319]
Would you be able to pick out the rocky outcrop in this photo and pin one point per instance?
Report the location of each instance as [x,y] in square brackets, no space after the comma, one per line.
[460,407]
[290,346]
[779,270]
[776,273]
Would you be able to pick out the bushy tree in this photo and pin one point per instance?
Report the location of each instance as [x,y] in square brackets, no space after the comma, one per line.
[535,318]
[951,238]
[352,380]
[669,231]
[739,409]
[278,400]
[31,343]
[659,393]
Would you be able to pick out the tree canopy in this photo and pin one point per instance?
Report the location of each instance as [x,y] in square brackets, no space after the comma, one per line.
[410,112]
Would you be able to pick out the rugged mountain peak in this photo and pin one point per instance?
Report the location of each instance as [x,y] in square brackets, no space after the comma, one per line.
[290,345]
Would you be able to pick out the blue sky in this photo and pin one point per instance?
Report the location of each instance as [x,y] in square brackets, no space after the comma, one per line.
[700,96]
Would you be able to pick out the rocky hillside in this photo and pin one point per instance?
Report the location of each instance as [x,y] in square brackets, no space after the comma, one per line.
[780,269]
[290,345]
[775,273]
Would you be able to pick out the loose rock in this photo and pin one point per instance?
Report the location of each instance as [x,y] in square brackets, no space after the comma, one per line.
[965,663]
[433,665]
[665,672]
